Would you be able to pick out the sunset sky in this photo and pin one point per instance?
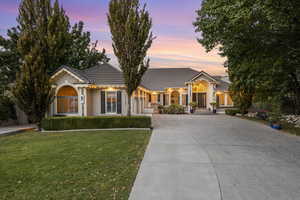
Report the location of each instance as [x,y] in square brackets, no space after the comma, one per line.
[175,46]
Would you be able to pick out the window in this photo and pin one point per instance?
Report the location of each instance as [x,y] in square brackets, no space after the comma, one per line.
[184,98]
[111,102]
[221,99]
[67,100]
[175,97]
[229,100]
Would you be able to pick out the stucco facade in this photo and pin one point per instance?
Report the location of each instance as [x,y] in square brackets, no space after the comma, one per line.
[77,95]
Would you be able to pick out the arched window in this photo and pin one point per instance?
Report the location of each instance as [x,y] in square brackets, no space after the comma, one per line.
[175,97]
[67,100]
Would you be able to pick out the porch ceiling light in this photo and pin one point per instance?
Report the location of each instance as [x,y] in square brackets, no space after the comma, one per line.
[110,89]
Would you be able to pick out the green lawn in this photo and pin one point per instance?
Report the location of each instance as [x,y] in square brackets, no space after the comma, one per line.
[74,165]
[286,127]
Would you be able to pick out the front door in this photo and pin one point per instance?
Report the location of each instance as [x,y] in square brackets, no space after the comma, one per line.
[201,100]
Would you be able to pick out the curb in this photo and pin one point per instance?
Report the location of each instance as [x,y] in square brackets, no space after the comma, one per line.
[107,129]
[16,131]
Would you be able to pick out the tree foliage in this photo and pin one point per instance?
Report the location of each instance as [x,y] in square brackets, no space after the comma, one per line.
[130,27]
[79,52]
[261,41]
[82,52]
[43,34]
[9,59]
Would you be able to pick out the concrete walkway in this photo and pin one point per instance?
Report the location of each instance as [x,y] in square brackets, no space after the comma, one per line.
[15,129]
[218,158]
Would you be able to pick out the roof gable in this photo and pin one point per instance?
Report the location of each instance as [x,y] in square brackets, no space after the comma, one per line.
[71,71]
[204,74]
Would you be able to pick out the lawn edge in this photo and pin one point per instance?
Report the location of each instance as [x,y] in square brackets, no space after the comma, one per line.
[107,129]
[284,131]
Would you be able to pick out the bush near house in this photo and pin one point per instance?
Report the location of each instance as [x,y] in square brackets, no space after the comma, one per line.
[174,109]
[232,112]
[102,122]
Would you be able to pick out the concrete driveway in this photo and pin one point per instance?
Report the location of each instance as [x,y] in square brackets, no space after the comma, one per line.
[218,158]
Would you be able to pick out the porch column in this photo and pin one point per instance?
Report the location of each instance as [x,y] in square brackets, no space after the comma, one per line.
[180,98]
[84,101]
[189,96]
[225,96]
[210,95]
[169,99]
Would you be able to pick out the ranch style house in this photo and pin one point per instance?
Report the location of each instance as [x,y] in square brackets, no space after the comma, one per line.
[100,90]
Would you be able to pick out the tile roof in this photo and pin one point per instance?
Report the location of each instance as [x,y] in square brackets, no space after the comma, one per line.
[104,74]
[156,79]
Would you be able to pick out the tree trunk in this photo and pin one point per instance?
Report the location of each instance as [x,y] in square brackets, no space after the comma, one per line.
[39,126]
[129,106]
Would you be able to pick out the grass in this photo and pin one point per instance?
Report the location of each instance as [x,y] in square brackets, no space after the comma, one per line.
[286,127]
[74,165]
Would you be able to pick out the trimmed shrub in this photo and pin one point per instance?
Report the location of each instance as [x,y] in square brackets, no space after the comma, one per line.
[263,115]
[101,122]
[232,112]
[174,109]
[7,109]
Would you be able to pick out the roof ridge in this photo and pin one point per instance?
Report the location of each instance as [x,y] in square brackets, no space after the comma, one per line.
[171,68]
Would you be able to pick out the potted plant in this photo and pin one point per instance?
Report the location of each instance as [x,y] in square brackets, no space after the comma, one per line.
[193,106]
[160,109]
[274,119]
[214,104]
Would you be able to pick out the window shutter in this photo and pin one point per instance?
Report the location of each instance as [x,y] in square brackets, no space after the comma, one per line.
[102,102]
[164,99]
[187,100]
[119,102]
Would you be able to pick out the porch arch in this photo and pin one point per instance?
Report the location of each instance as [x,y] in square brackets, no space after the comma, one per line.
[67,100]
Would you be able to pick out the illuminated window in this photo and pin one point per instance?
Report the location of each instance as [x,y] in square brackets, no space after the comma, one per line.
[229,100]
[175,97]
[221,99]
[67,100]
[184,98]
[111,102]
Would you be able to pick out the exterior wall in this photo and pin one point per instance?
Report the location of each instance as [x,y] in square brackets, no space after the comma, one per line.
[89,102]
[96,102]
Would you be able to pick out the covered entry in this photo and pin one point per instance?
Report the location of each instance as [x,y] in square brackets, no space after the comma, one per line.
[200,99]
[199,94]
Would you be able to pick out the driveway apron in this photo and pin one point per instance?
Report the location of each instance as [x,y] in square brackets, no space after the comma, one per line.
[217,157]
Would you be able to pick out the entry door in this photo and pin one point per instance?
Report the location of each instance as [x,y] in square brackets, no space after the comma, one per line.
[202,100]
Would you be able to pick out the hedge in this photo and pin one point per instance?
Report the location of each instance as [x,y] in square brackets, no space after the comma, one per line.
[102,122]
[232,112]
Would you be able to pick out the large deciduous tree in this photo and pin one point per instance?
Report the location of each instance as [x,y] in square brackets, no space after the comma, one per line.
[261,41]
[130,27]
[43,34]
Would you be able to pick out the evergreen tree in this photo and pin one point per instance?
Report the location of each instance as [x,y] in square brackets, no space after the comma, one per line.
[130,27]
[10,61]
[82,52]
[43,34]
